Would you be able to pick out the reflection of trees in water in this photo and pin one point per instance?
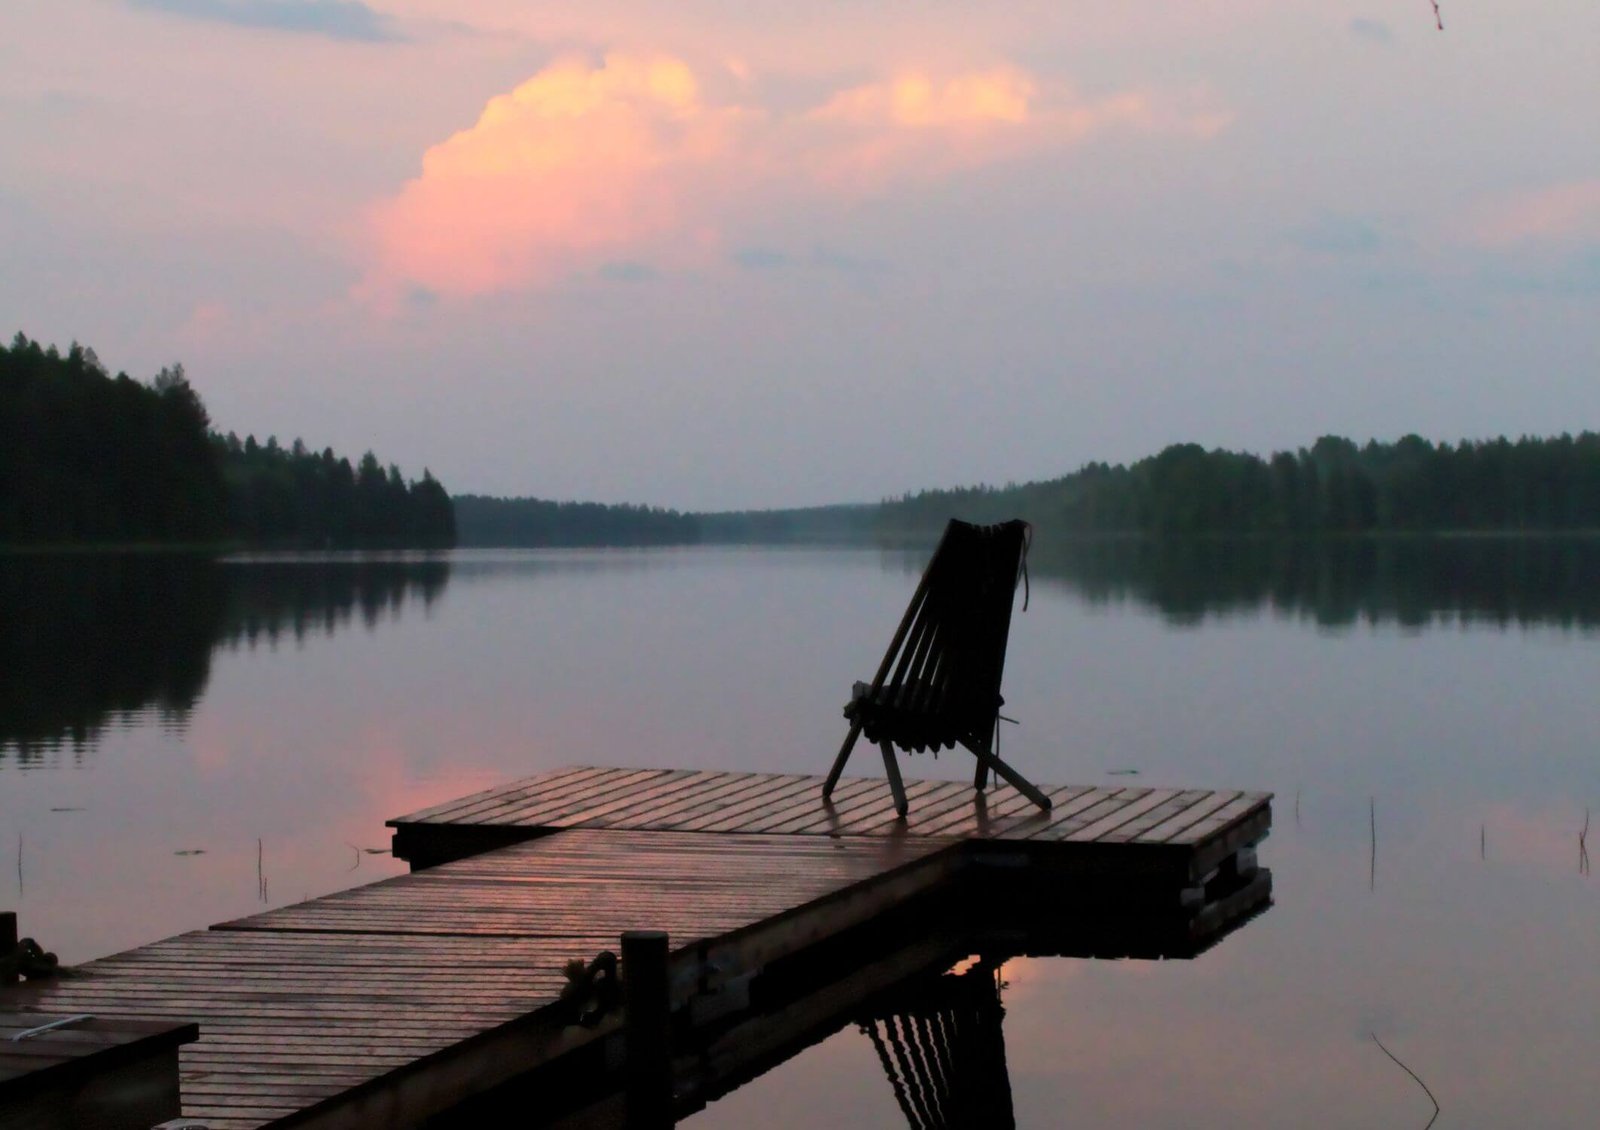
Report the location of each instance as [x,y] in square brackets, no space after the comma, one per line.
[90,639]
[1410,581]
[271,598]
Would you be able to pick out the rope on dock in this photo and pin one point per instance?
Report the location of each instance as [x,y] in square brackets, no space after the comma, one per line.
[592,988]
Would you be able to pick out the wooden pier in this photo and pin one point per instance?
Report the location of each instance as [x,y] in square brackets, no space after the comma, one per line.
[420,999]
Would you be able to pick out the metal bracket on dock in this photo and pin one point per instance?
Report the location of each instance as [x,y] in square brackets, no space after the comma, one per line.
[64,1022]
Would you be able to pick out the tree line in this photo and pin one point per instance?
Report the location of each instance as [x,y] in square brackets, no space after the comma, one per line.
[88,458]
[486,521]
[295,496]
[540,522]
[1531,485]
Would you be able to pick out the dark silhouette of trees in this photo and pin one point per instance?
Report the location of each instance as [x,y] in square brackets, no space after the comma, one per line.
[539,522]
[86,458]
[294,497]
[1335,487]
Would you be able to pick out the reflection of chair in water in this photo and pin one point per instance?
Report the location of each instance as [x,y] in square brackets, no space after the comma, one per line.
[943,1048]
[939,682]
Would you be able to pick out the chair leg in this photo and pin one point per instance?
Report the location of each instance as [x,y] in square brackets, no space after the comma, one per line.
[891,769]
[981,777]
[1013,778]
[838,762]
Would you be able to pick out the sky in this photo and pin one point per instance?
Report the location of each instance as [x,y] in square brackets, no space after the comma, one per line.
[704,254]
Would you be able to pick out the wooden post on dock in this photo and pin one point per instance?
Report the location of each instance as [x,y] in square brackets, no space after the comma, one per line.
[646,1030]
[8,946]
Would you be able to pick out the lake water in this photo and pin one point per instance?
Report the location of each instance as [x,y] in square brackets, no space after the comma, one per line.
[183,742]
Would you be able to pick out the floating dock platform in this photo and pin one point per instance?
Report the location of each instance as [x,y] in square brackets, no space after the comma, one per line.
[431,998]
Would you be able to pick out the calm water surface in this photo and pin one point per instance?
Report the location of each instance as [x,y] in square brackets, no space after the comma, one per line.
[183,742]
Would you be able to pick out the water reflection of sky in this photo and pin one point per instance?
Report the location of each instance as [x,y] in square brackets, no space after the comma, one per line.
[1478,971]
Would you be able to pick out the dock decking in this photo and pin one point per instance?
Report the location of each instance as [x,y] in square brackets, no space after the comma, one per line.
[1187,831]
[394,1002]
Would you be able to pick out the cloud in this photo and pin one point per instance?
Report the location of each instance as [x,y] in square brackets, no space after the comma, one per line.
[915,124]
[334,19]
[916,101]
[827,259]
[628,270]
[1558,213]
[1372,31]
[1575,274]
[574,165]
[1335,234]
[760,259]
[632,159]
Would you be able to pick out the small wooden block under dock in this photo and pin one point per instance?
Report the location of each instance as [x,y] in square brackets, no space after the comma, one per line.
[410,998]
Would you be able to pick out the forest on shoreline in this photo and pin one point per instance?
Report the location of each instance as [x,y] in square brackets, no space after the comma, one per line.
[91,459]
[1332,489]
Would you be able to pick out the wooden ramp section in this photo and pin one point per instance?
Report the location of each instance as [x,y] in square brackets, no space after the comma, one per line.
[380,1005]
[1180,833]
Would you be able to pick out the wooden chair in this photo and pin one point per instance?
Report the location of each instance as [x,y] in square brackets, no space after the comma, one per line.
[939,682]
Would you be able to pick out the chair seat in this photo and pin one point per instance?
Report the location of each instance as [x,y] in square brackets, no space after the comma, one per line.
[903,715]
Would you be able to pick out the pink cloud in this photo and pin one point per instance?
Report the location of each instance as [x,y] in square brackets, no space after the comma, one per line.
[584,164]
[576,162]
[915,100]
[1559,212]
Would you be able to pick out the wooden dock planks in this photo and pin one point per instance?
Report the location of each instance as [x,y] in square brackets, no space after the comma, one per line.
[307,1004]
[789,804]
[379,1004]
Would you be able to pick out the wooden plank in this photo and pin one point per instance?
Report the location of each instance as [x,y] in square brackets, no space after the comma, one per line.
[468,803]
[529,791]
[1175,825]
[964,811]
[560,782]
[620,812]
[1219,819]
[1155,798]
[1015,816]
[784,790]
[551,811]
[1136,828]
[937,800]
[855,813]
[808,800]
[1031,826]
[709,800]
[1114,800]
[772,793]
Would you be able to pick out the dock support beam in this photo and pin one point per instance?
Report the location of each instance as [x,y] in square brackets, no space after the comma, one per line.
[8,946]
[647,1030]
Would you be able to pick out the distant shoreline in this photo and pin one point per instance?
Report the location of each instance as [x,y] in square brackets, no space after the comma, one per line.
[892,540]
